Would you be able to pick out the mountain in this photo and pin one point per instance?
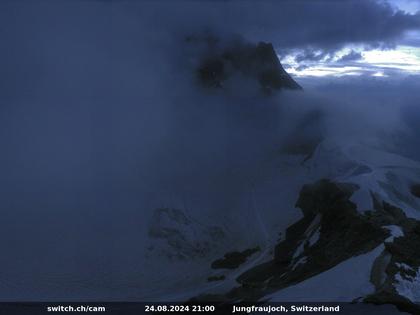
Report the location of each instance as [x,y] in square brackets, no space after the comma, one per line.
[321,219]
[356,237]
[224,61]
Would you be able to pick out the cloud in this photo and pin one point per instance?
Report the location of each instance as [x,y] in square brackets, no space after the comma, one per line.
[133,54]
[312,55]
[351,56]
[290,24]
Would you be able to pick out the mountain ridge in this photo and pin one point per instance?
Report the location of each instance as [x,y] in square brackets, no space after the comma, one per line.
[259,62]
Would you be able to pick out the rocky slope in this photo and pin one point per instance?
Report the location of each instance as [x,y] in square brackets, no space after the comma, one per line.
[332,231]
[355,237]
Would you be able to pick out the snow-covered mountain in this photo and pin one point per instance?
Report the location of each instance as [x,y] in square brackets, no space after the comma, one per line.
[318,219]
[358,229]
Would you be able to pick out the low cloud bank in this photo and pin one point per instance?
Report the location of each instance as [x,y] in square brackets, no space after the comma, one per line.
[114,105]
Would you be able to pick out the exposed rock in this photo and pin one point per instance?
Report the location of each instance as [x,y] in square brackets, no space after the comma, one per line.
[387,214]
[343,232]
[332,231]
[326,197]
[255,61]
[406,249]
[400,302]
[212,72]
[401,275]
[415,190]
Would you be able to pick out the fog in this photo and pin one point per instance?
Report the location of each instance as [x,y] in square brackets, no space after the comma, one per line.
[102,120]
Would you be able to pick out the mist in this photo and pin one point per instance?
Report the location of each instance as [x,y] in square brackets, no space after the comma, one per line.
[102,120]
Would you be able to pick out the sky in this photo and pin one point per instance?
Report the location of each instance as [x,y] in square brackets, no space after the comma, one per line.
[397,56]
[320,38]
[411,6]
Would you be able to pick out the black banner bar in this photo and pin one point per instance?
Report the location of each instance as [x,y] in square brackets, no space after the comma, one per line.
[130,308]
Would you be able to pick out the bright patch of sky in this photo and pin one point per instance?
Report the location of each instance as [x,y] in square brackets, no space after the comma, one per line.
[410,6]
[375,63]
[403,59]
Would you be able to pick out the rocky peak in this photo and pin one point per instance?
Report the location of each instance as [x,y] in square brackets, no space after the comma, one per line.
[342,231]
[258,62]
[325,196]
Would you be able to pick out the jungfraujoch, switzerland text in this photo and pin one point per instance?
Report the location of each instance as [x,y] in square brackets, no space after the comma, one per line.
[281,308]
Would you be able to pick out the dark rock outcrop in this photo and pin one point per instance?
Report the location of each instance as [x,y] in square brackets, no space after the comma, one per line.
[387,214]
[415,190]
[331,231]
[258,62]
[342,232]
[399,269]
[326,197]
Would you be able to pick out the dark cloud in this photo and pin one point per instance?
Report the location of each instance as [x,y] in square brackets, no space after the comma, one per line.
[312,55]
[133,54]
[302,67]
[317,23]
[351,56]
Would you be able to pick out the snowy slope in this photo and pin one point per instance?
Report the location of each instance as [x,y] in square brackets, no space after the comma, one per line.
[271,209]
[346,282]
